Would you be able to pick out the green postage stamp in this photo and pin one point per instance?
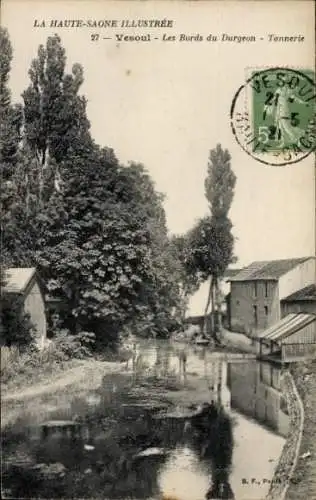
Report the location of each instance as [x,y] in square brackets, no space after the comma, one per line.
[273,115]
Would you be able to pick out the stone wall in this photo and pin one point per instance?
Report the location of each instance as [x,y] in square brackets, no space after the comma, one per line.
[288,460]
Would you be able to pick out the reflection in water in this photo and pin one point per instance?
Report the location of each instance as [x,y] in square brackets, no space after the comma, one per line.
[214,442]
[183,477]
[117,424]
[110,464]
[255,390]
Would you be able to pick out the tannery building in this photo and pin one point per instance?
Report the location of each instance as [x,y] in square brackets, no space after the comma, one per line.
[265,291]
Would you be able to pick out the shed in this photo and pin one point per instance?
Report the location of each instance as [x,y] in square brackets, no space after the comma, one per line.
[303,300]
[291,339]
[24,281]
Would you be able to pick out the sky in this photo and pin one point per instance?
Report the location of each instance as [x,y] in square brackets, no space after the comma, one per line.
[166,104]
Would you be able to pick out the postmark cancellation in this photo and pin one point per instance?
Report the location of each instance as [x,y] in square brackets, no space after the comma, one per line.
[273,115]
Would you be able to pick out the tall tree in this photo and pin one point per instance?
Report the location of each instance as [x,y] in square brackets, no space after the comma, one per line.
[10,136]
[212,241]
[96,229]
[11,116]
[219,190]
[55,125]
[100,248]
[55,117]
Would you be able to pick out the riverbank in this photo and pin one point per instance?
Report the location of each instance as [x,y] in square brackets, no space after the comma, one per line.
[47,381]
[287,463]
[303,482]
[55,391]
[52,389]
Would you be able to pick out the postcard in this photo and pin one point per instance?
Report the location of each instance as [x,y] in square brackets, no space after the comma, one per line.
[158,249]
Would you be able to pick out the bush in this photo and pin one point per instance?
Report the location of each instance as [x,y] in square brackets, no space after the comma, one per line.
[29,363]
[74,346]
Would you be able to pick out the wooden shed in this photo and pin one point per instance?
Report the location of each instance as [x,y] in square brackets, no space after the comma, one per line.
[25,282]
[291,339]
[303,300]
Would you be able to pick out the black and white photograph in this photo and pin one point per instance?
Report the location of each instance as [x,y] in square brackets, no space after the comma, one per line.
[158,249]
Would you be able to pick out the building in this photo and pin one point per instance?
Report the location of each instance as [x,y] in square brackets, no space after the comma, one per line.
[258,291]
[303,300]
[197,301]
[291,339]
[25,282]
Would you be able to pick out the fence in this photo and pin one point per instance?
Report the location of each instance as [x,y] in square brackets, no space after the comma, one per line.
[293,352]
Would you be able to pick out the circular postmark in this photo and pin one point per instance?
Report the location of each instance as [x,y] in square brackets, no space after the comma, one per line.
[273,115]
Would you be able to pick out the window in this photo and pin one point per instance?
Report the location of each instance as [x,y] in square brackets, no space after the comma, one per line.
[266,288]
[266,318]
[255,289]
[255,315]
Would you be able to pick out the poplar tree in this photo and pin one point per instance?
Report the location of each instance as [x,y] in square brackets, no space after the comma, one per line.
[10,116]
[211,240]
[55,120]
[55,114]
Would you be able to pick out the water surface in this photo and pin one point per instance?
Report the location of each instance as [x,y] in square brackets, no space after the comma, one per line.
[117,424]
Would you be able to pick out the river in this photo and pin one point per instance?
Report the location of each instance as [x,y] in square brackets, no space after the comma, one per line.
[126,448]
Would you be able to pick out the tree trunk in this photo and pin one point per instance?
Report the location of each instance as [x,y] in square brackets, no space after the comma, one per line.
[218,307]
[42,160]
[209,298]
[213,290]
[182,309]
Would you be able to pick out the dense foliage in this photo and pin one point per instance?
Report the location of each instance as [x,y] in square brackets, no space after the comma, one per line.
[95,229]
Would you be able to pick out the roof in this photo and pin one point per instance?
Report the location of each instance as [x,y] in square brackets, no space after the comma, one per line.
[230,273]
[268,269]
[307,293]
[18,278]
[292,323]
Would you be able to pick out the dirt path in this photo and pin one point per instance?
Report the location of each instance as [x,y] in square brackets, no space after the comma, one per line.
[90,370]
[56,392]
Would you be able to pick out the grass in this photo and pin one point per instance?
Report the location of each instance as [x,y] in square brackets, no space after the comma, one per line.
[20,370]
